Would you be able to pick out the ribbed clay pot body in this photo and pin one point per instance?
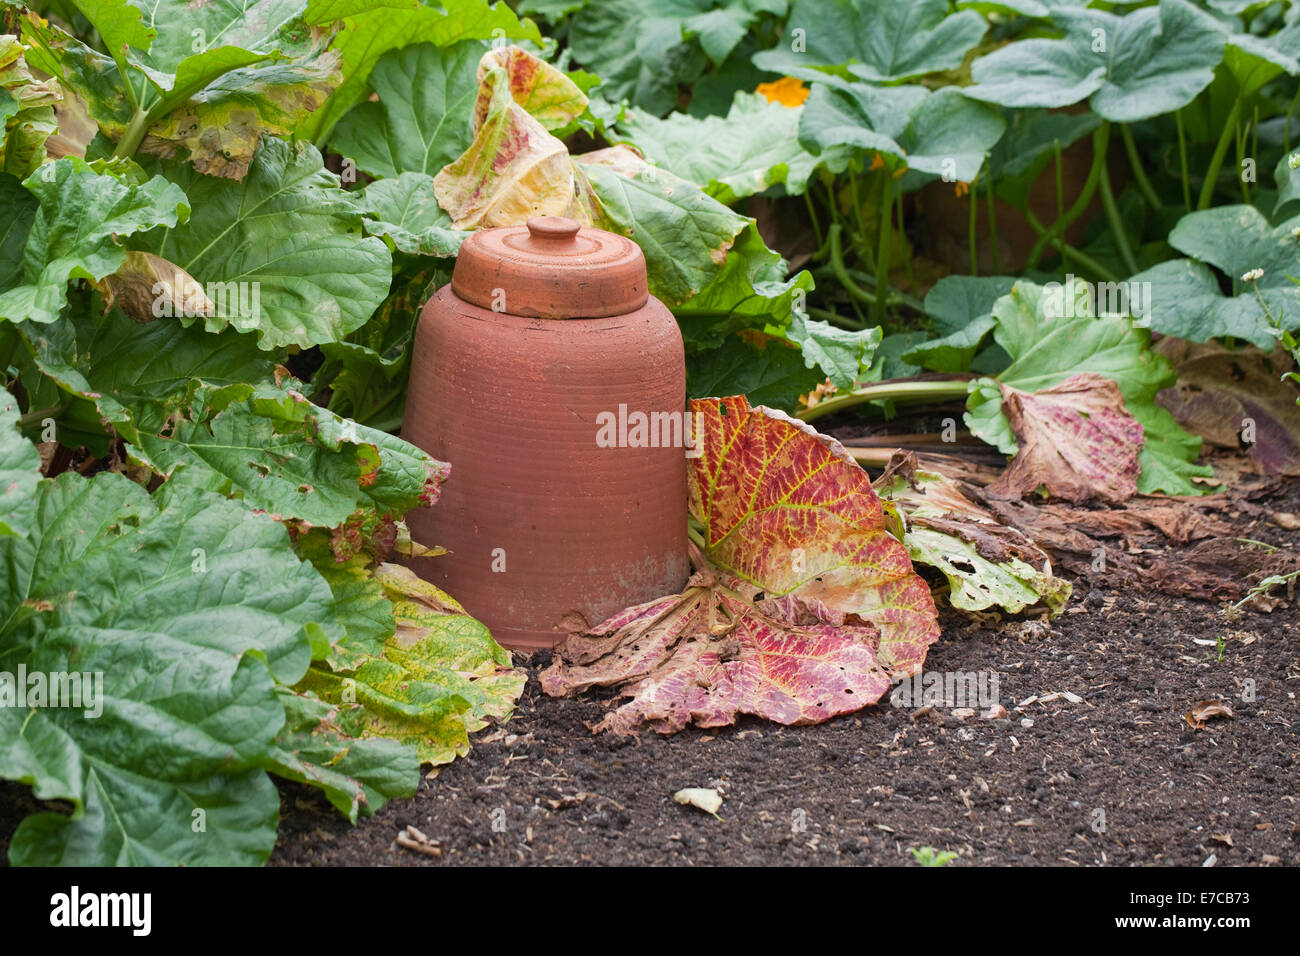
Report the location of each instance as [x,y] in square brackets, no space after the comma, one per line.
[541,517]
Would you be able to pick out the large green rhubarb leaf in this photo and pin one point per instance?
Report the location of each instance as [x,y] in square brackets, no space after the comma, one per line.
[1186,296]
[803,605]
[280,252]
[20,471]
[180,613]
[684,234]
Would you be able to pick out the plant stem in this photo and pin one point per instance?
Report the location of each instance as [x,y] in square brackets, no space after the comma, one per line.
[1100,141]
[1068,251]
[899,391]
[993,225]
[970,228]
[880,313]
[812,215]
[1144,185]
[1241,158]
[1182,159]
[907,251]
[1060,180]
[1216,160]
[39,415]
[1116,223]
[854,290]
[133,136]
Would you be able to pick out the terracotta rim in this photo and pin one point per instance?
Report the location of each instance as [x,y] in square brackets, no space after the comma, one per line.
[552,268]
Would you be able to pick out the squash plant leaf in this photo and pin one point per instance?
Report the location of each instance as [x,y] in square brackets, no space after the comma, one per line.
[1287,177]
[76,231]
[939,133]
[1050,340]
[880,42]
[961,311]
[749,150]
[803,605]
[1131,67]
[1186,296]
[282,248]
[208,608]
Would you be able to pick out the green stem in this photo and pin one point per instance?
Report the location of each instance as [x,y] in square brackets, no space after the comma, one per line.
[1182,160]
[1074,255]
[907,251]
[880,313]
[1117,224]
[1241,160]
[970,229]
[1060,180]
[898,391]
[993,225]
[39,415]
[1286,134]
[133,136]
[1216,160]
[812,214]
[1100,141]
[1144,184]
[854,290]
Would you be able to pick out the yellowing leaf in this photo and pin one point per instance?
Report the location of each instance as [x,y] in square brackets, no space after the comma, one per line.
[514,169]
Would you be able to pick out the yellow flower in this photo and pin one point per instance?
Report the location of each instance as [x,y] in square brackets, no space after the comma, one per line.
[962,188]
[787,91]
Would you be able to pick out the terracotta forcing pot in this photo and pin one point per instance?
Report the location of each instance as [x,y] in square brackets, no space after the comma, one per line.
[528,374]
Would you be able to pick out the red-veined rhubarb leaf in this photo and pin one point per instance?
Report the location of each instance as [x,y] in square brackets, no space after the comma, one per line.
[803,605]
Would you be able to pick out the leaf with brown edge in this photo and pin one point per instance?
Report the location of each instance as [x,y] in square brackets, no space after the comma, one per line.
[1076,439]
[147,286]
[803,605]
[514,169]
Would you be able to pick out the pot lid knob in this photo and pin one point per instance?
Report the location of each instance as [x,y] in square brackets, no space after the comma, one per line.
[555,228]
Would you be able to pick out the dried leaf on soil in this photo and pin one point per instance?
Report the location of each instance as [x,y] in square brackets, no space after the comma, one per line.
[803,606]
[1220,392]
[986,563]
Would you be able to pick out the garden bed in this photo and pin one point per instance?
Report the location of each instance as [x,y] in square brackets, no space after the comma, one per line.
[876,783]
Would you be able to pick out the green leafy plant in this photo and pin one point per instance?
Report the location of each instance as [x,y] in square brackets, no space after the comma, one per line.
[929,856]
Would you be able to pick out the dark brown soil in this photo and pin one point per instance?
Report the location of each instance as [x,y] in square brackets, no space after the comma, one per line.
[1118,777]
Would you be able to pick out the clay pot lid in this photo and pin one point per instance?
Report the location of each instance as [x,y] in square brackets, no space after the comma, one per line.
[552,268]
